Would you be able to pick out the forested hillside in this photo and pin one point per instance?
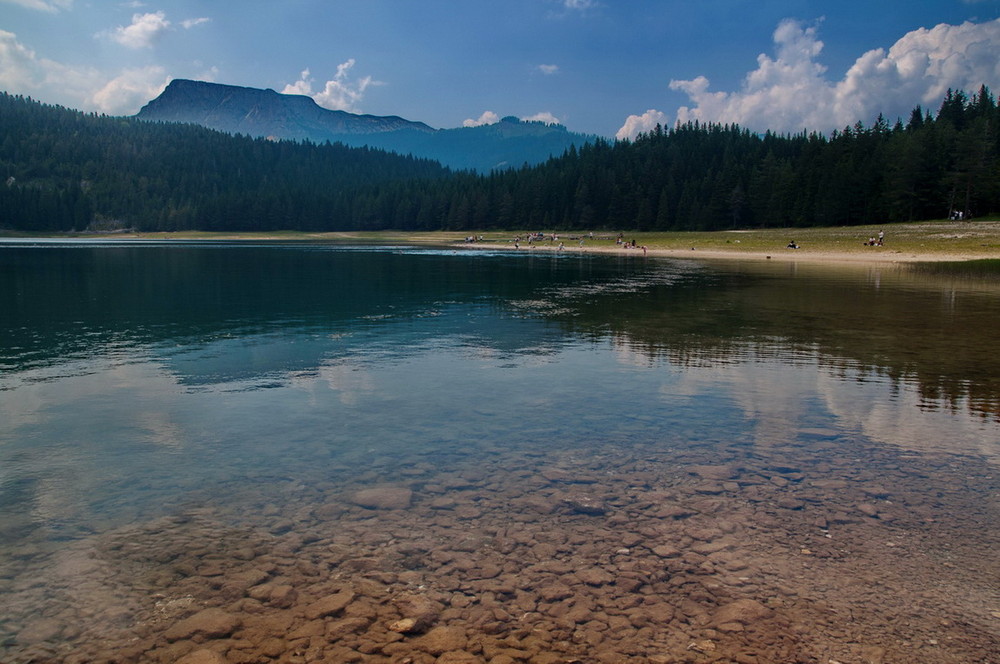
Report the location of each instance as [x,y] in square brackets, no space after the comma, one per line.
[62,170]
[715,177]
[67,170]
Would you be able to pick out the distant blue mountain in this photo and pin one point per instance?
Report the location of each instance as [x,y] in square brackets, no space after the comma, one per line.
[510,143]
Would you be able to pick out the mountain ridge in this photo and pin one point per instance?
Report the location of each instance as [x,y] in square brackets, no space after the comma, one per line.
[255,112]
[264,113]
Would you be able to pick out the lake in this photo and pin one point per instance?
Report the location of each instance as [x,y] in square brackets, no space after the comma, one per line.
[239,452]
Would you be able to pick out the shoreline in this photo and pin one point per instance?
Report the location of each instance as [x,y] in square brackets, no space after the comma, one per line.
[917,242]
[884,255]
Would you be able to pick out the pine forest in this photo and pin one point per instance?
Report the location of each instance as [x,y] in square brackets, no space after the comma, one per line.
[65,170]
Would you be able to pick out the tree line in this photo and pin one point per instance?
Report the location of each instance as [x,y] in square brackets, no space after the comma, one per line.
[65,170]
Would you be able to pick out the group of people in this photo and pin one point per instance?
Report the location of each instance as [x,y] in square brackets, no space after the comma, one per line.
[876,242]
[535,237]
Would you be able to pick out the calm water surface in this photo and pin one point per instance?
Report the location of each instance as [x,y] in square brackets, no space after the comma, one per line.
[137,380]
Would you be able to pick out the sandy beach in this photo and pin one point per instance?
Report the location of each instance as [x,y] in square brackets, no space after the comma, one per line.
[789,255]
[868,255]
[916,242]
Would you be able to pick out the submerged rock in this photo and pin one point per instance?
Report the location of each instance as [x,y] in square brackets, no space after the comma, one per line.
[443,639]
[203,657]
[419,613]
[383,498]
[329,605]
[585,505]
[210,623]
[742,611]
[715,472]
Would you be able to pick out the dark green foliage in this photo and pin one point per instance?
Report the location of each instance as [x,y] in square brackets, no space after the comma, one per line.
[64,170]
[67,170]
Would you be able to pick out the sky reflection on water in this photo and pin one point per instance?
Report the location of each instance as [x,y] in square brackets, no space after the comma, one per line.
[135,377]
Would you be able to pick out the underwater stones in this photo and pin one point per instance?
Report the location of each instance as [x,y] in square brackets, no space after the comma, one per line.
[42,629]
[525,587]
[383,498]
[210,623]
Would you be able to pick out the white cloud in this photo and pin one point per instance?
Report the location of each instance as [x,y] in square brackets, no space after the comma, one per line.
[19,67]
[126,93]
[144,30]
[579,4]
[339,94]
[50,6]
[790,92]
[192,22]
[545,117]
[23,72]
[487,118]
[548,70]
[636,124]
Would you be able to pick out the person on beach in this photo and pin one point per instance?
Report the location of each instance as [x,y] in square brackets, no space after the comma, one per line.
[881,236]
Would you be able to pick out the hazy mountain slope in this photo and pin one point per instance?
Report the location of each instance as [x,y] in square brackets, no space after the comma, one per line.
[265,113]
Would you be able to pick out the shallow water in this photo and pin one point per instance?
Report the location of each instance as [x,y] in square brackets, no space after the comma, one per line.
[189,425]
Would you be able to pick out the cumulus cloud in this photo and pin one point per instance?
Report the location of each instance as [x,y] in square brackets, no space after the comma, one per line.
[545,117]
[636,124]
[341,93]
[23,71]
[127,92]
[50,6]
[791,92]
[487,118]
[548,70]
[144,30]
[19,67]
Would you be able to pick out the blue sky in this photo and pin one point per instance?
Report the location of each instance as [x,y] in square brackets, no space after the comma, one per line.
[606,67]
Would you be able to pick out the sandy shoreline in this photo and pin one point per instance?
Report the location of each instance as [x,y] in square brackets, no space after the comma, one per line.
[921,242]
[876,256]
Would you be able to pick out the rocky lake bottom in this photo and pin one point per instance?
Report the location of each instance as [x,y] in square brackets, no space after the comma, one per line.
[828,551]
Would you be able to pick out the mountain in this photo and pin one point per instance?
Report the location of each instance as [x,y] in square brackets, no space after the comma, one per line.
[510,143]
[254,112]
[266,113]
